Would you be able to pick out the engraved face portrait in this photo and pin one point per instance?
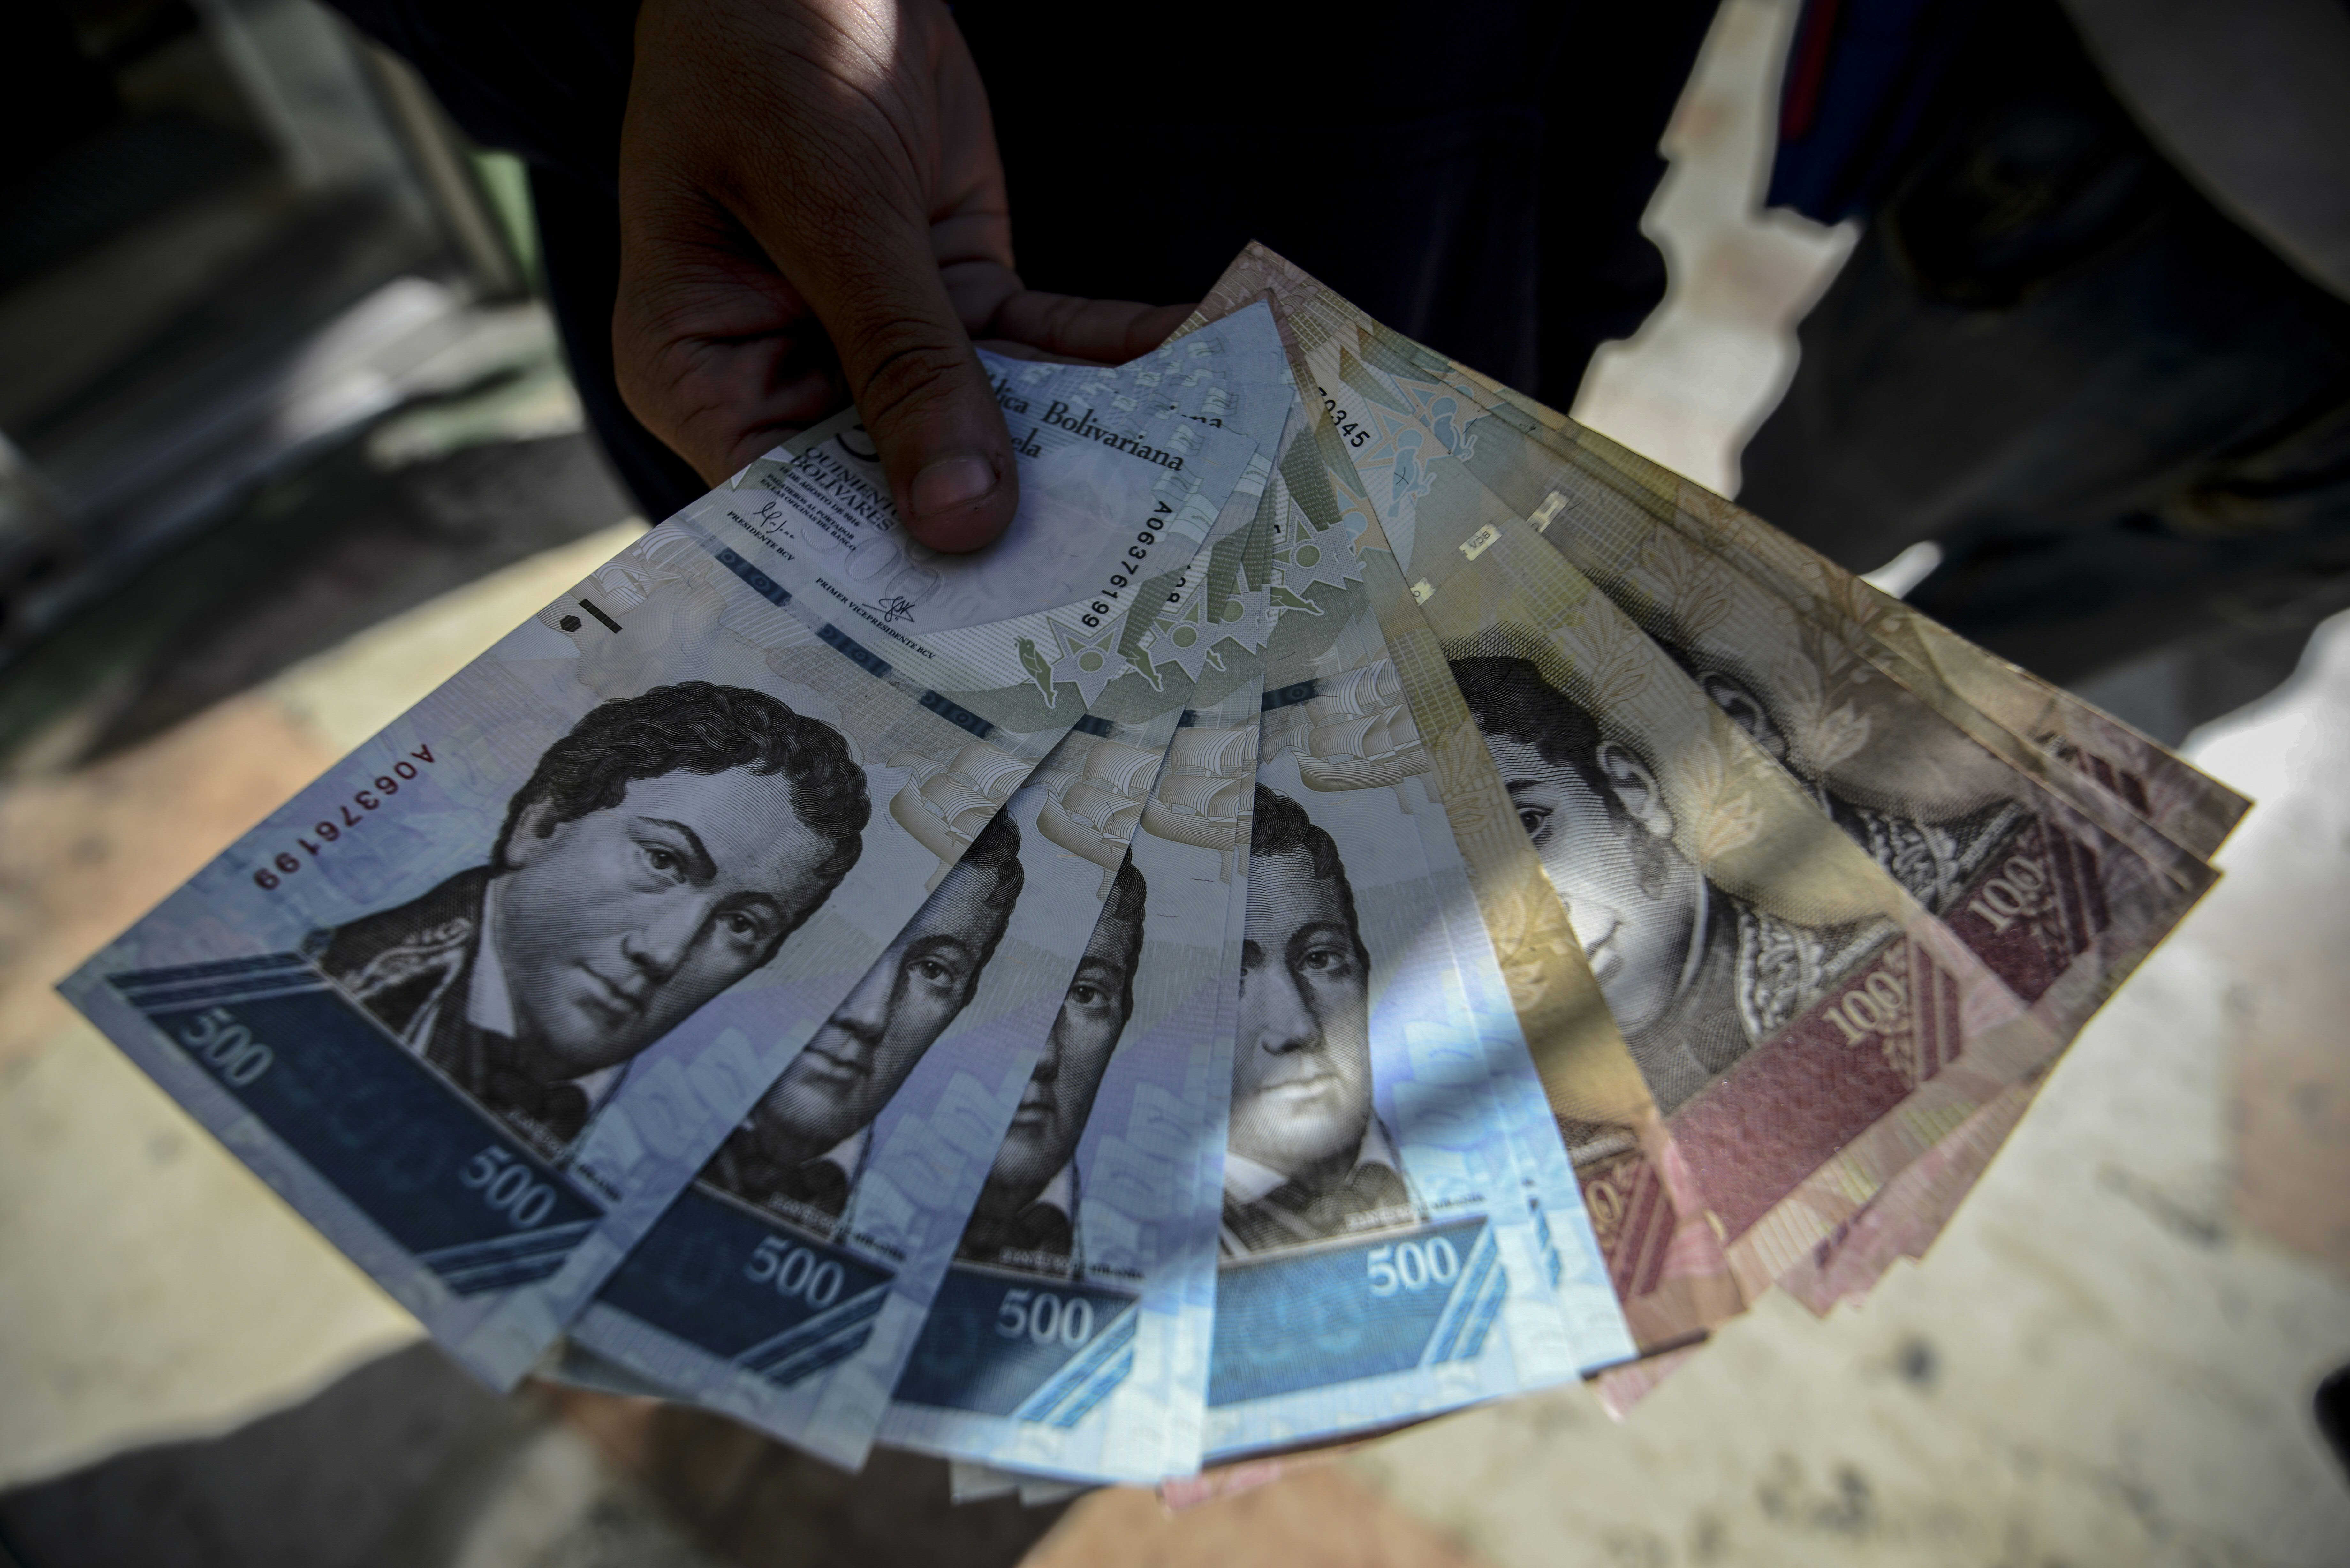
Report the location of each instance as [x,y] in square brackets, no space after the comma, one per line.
[1302,1072]
[614,926]
[1594,812]
[659,853]
[882,1030]
[1740,700]
[1059,1095]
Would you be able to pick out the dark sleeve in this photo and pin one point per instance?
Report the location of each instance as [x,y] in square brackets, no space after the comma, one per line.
[547,82]
[1861,81]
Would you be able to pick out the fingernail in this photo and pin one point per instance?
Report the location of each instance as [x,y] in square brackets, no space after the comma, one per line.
[951,482]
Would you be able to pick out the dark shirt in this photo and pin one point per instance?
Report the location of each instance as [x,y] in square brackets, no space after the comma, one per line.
[1466,174]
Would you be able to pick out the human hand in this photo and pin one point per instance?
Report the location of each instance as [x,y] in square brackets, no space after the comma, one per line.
[812,209]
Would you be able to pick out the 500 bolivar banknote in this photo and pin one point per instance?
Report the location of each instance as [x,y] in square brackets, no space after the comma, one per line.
[787,1286]
[1379,1259]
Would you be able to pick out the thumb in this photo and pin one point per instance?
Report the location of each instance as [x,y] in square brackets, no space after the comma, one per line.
[925,397]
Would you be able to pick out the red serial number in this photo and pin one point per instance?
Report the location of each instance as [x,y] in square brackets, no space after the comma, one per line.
[327,831]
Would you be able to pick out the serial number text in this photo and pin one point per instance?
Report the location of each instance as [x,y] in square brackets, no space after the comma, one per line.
[342,818]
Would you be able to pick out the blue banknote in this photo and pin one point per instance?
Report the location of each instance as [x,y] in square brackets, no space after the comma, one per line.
[1070,1338]
[1379,1259]
[1371,514]
[483,999]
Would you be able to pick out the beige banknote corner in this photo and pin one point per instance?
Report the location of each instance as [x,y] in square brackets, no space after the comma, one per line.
[149,1286]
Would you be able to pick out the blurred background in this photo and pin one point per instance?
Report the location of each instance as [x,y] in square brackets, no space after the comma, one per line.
[285,439]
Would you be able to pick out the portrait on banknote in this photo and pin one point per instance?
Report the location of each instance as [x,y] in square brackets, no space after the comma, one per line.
[802,1149]
[1307,1158]
[1924,810]
[1695,975]
[660,851]
[1027,1214]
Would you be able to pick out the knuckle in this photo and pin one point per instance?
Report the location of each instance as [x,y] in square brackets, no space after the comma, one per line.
[908,368]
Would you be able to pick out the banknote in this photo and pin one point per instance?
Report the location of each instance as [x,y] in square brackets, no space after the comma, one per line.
[1594,1320]
[1663,1264]
[1301,577]
[968,1480]
[2059,891]
[1594,1317]
[2041,892]
[971,1481]
[1247,383]
[2048,729]
[825,1388]
[785,1286]
[1071,1336]
[1219,634]
[1715,543]
[2192,808]
[667,810]
[1597,1324]
[1901,1220]
[2188,806]
[1378,1260]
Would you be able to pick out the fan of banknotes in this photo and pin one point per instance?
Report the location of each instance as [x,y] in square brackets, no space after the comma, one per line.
[1370,899]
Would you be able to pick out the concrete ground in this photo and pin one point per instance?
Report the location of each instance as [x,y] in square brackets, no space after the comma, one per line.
[2108,1360]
